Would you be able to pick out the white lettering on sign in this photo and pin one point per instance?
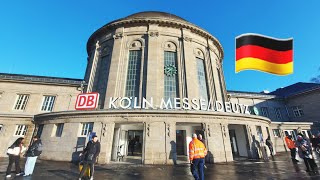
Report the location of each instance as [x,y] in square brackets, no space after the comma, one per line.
[87,101]
[176,103]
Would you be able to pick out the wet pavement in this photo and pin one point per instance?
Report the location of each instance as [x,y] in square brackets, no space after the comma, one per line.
[280,167]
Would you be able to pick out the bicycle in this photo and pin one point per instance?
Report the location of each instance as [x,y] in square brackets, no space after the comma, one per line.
[119,155]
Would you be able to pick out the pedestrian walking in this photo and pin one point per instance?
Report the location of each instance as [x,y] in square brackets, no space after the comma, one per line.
[14,152]
[305,153]
[90,154]
[270,145]
[197,153]
[32,154]
[291,145]
[132,144]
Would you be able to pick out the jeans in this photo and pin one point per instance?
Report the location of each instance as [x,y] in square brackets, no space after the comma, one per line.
[13,159]
[309,164]
[293,153]
[197,169]
[85,166]
[29,166]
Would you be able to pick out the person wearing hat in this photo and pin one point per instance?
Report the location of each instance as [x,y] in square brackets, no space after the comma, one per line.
[305,152]
[90,154]
[32,154]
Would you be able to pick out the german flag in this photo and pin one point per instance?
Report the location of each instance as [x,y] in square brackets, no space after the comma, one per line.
[258,52]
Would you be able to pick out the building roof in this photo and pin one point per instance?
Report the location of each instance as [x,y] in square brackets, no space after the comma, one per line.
[152,17]
[39,79]
[295,89]
[155,14]
[251,94]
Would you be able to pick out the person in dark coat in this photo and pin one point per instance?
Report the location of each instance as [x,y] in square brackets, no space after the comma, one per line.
[305,152]
[132,143]
[32,154]
[90,154]
[270,145]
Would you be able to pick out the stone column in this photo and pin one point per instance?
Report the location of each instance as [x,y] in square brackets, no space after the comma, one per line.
[107,131]
[93,70]
[190,65]
[171,144]
[219,147]
[116,67]
[154,65]
[154,143]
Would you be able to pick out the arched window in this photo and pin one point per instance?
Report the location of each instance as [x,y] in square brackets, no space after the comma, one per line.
[134,69]
[171,82]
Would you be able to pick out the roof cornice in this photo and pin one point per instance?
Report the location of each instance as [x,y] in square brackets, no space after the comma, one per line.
[160,21]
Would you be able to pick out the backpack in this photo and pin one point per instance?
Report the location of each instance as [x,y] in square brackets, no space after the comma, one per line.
[38,149]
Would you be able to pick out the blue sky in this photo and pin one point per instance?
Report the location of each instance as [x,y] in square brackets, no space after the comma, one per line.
[49,37]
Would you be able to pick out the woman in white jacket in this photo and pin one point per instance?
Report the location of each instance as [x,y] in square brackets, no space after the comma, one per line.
[14,152]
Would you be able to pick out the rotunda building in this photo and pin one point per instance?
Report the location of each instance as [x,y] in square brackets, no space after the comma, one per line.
[159,79]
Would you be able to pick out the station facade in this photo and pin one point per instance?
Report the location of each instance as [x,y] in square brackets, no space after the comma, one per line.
[160,79]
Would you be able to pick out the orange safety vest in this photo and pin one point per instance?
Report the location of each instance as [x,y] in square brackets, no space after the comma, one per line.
[197,149]
[290,143]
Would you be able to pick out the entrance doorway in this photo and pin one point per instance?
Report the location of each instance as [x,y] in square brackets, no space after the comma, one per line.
[180,139]
[135,141]
[233,141]
[239,141]
[184,133]
[128,143]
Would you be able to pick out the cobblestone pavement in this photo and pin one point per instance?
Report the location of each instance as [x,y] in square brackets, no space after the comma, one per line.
[280,167]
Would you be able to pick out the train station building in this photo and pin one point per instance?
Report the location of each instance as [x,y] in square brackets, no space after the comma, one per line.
[159,79]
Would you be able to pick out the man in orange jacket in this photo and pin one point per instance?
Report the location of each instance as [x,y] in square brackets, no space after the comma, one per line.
[197,153]
[291,145]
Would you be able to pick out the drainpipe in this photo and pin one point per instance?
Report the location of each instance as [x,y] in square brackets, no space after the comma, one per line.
[34,131]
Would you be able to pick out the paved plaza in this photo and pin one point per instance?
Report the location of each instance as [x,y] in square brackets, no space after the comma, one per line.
[278,168]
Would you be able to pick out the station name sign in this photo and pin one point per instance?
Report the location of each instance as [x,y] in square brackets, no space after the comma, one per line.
[177,104]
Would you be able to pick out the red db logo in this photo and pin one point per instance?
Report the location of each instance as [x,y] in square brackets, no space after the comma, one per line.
[87,101]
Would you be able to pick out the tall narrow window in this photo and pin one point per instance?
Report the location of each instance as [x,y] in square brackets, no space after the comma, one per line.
[86,129]
[202,80]
[22,101]
[21,130]
[171,85]
[59,129]
[48,102]
[40,129]
[133,74]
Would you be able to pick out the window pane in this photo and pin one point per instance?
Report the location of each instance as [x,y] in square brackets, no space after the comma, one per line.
[171,88]
[202,80]
[48,102]
[21,101]
[133,74]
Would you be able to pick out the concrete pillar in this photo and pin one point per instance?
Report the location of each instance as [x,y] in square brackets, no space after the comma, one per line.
[154,89]
[117,67]
[154,143]
[107,131]
[191,65]
[219,147]
[171,148]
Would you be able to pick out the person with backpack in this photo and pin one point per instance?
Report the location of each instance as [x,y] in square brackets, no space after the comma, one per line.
[90,153]
[14,152]
[32,154]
